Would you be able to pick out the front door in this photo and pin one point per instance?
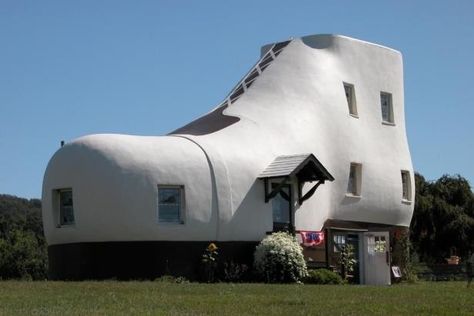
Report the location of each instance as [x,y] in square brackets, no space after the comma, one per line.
[344,238]
[376,258]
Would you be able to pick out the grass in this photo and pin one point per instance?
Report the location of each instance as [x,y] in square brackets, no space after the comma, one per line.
[161,298]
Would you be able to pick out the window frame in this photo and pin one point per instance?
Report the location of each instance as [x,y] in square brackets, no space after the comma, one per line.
[282,226]
[182,204]
[391,119]
[60,209]
[356,187]
[408,197]
[352,102]
[338,240]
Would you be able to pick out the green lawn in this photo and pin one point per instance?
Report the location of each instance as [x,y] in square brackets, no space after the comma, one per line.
[155,298]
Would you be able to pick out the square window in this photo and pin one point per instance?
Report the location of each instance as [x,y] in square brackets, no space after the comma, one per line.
[387,107]
[351,99]
[66,207]
[354,183]
[170,204]
[406,186]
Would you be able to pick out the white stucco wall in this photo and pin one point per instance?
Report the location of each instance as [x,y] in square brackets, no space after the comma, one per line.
[115,180]
[297,105]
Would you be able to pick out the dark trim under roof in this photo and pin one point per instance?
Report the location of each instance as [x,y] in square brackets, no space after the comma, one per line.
[209,123]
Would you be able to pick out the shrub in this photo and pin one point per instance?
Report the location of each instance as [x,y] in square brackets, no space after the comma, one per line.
[171,279]
[347,261]
[279,258]
[323,276]
[234,272]
[401,256]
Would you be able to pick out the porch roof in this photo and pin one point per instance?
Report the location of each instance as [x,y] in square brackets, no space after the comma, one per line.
[306,167]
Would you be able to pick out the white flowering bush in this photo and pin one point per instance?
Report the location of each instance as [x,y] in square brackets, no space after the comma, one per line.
[279,258]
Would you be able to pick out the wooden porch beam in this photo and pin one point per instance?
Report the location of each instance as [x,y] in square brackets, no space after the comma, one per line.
[308,194]
[274,192]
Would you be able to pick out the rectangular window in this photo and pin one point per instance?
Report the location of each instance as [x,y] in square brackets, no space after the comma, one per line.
[387,107]
[66,208]
[339,241]
[281,209]
[354,183]
[406,186]
[170,204]
[351,99]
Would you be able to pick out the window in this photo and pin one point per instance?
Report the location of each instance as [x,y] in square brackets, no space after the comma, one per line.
[380,244]
[66,209]
[406,186]
[387,108]
[170,204]
[339,241]
[281,209]
[354,183]
[350,97]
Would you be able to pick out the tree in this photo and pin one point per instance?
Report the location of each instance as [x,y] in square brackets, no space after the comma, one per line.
[23,256]
[443,219]
[22,244]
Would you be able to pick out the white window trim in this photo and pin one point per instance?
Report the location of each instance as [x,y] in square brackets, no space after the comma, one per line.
[182,209]
[57,203]
[358,179]
[409,198]
[391,121]
[352,106]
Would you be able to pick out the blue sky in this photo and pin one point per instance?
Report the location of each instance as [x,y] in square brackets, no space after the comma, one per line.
[71,68]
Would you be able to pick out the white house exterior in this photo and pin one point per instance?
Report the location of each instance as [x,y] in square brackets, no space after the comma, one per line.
[321,110]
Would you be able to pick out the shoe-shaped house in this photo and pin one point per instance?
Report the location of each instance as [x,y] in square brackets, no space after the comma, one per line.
[311,140]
